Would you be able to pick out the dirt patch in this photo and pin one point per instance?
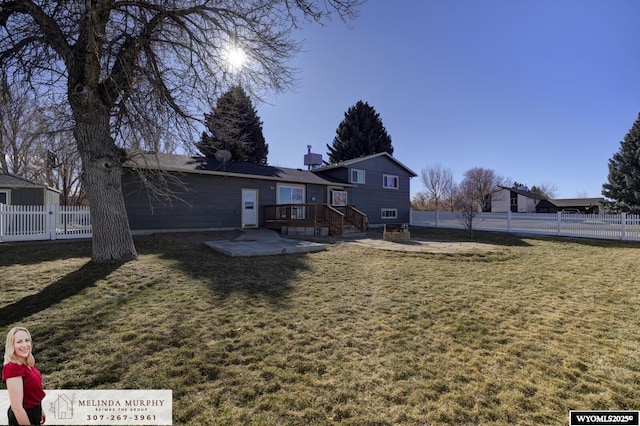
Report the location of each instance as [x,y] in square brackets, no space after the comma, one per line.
[428,246]
[372,238]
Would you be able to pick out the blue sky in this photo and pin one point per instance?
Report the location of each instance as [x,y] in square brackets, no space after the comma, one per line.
[540,91]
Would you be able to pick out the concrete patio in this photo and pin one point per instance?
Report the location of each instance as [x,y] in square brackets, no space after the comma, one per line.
[263,242]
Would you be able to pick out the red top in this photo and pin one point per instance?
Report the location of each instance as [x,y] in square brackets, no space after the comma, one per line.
[32,382]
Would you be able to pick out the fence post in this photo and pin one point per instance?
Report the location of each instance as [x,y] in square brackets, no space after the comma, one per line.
[509,221]
[2,220]
[559,222]
[623,222]
[437,217]
[52,221]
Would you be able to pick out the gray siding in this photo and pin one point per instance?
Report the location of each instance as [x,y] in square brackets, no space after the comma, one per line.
[27,197]
[316,194]
[371,197]
[202,202]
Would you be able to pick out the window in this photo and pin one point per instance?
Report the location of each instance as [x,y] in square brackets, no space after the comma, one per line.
[357,176]
[292,195]
[4,197]
[389,213]
[390,181]
[338,198]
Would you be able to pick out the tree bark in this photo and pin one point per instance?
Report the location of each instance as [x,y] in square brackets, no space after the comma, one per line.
[102,178]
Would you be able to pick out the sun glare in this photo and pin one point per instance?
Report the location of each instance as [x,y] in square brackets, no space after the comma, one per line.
[236,57]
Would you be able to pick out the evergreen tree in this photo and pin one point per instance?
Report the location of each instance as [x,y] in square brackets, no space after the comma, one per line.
[234,126]
[360,133]
[623,187]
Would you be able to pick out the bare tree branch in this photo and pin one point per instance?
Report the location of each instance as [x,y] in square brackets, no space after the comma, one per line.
[142,73]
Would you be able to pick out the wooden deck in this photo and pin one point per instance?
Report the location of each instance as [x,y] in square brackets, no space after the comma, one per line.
[314,215]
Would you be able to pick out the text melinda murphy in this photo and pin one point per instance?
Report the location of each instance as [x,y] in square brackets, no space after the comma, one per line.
[103,407]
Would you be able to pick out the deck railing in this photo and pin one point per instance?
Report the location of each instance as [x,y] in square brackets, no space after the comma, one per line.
[357,218]
[313,214]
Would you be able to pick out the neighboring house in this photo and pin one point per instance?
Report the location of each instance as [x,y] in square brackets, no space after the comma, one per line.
[521,200]
[19,191]
[208,194]
[515,200]
[573,205]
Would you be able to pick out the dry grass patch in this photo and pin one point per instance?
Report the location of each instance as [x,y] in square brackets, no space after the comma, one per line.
[351,335]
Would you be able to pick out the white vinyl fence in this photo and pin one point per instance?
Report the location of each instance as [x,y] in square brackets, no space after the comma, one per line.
[28,223]
[614,227]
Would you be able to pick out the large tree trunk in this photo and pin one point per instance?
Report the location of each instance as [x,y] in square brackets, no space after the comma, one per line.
[102,176]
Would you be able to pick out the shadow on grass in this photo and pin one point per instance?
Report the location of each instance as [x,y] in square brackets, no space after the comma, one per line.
[34,252]
[513,239]
[68,286]
[267,277]
[461,235]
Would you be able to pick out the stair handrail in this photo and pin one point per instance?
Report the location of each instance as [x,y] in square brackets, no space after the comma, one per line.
[356,217]
[334,219]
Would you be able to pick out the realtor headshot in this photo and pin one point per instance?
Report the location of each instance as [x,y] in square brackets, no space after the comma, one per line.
[23,379]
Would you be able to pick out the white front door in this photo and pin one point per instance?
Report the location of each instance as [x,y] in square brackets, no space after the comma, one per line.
[249,208]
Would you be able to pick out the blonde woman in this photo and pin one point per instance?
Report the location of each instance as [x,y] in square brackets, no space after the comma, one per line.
[23,380]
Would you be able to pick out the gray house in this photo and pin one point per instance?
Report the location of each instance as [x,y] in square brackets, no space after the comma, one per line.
[19,191]
[204,193]
[378,186]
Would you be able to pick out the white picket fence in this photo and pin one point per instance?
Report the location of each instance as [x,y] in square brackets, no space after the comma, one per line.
[29,223]
[623,226]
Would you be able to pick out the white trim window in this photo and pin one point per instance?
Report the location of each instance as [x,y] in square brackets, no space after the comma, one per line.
[338,198]
[389,213]
[292,194]
[390,181]
[4,197]
[356,176]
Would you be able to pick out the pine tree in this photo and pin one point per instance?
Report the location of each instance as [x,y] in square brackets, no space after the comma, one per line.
[623,187]
[360,133]
[234,126]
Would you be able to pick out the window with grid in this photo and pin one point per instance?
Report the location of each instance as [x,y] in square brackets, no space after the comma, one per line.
[389,213]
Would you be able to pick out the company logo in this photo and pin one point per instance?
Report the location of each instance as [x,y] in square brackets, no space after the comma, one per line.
[62,407]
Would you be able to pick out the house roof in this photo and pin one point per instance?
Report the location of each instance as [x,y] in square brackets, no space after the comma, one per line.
[348,163]
[211,166]
[525,193]
[14,181]
[577,202]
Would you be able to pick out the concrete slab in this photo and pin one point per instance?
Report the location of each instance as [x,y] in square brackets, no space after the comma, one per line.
[263,242]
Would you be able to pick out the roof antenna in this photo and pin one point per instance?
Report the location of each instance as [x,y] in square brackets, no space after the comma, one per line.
[222,155]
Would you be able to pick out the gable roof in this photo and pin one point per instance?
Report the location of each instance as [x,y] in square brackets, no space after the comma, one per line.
[525,193]
[14,181]
[211,166]
[575,202]
[347,163]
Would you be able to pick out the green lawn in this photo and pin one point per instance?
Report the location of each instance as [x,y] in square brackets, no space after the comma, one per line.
[351,335]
